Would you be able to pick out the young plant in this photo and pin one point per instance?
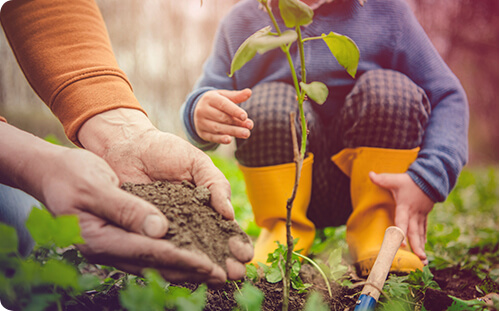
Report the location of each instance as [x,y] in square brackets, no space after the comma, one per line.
[295,15]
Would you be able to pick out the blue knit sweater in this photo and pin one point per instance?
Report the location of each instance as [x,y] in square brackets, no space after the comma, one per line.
[388,36]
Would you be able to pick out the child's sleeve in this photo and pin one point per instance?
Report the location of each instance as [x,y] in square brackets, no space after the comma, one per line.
[64,51]
[444,150]
[214,77]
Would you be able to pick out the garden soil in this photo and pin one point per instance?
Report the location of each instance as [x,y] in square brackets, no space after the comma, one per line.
[193,223]
[196,226]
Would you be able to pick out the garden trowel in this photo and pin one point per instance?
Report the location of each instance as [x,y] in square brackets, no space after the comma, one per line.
[371,291]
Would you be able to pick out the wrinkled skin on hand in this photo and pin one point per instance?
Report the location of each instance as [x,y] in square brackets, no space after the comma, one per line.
[137,152]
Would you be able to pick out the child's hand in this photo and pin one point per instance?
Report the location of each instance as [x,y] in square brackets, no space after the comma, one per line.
[412,208]
[217,116]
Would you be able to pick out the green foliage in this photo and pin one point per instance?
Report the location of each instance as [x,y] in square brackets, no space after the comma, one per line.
[315,303]
[152,291]
[470,241]
[260,42]
[317,91]
[8,242]
[295,13]
[345,51]
[276,271]
[250,298]
[41,280]
[46,230]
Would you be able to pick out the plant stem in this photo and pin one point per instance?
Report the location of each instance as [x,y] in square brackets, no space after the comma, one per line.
[273,19]
[302,93]
[298,154]
[315,265]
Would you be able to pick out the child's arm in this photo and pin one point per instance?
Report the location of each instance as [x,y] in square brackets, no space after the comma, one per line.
[217,116]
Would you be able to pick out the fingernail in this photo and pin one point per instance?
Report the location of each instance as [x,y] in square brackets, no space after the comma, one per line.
[154,226]
[230,208]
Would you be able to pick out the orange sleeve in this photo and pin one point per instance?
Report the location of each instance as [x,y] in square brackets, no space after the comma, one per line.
[64,50]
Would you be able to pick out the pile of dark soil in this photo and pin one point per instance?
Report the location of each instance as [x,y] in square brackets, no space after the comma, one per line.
[193,223]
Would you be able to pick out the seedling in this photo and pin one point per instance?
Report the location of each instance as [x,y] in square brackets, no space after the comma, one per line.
[295,15]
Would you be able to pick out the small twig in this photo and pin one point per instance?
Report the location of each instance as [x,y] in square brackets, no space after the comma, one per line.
[286,284]
[298,167]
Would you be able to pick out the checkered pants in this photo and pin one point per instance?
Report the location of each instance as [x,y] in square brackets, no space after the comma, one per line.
[384,109]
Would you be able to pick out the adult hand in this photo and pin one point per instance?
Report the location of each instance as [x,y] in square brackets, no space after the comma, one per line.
[138,152]
[412,208]
[118,228]
[217,116]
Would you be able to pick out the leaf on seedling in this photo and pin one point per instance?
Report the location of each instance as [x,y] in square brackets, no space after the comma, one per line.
[344,50]
[260,42]
[295,13]
[252,273]
[40,302]
[136,297]
[59,273]
[315,303]
[8,242]
[63,230]
[316,91]
[250,298]
[88,282]
[337,269]
[186,300]
[274,275]
[396,286]
[68,231]
[41,225]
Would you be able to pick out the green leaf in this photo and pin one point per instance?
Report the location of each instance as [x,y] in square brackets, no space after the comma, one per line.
[260,42]
[60,274]
[315,303]
[41,225]
[316,91]
[136,297]
[67,231]
[88,282]
[62,231]
[183,300]
[344,50]
[40,302]
[250,298]
[252,273]
[8,240]
[273,275]
[295,13]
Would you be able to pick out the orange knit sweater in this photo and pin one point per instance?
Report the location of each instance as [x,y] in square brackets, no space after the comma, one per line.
[65,53]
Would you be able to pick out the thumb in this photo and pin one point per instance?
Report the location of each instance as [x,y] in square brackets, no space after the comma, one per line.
[131,213]
[236,97]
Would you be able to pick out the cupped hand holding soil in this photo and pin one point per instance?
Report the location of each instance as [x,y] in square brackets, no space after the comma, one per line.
[194,225]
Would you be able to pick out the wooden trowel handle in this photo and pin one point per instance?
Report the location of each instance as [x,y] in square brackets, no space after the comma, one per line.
[392,241]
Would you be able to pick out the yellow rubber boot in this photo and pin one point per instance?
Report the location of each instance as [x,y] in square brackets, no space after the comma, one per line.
[373,207]
[268,189]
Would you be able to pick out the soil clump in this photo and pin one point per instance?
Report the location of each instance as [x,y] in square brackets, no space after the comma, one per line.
[193,223]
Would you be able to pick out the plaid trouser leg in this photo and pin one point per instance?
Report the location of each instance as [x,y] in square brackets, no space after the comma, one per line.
[385,109]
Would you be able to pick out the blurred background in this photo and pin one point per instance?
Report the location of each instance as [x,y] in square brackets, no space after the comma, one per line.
[161,45]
